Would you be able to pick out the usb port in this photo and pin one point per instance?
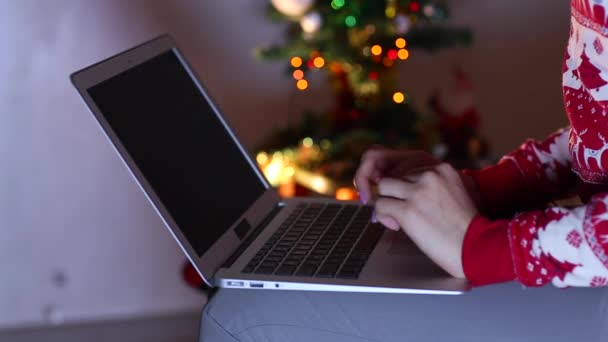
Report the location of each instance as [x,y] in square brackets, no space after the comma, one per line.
[256,284]
[236,283]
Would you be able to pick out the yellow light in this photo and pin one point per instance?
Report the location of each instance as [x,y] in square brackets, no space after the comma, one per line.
[400,43]
[273,172]
[262,158]
[376,50]
[319,62]
[296,62]
[390,12]
[298,74]
[289,171]
[398,97]
[302,84]
[403,54]
[346,194]
[277,155]
[319,185]
[307,142]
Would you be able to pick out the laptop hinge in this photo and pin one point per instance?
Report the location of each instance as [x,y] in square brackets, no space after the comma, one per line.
[254,234]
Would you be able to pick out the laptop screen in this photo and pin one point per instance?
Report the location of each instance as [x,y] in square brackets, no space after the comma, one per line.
[181,147]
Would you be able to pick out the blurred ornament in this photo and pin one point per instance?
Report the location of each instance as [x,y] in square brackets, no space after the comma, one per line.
[428,10]
[402,24]
[311,22]
[292,8]
[414,6]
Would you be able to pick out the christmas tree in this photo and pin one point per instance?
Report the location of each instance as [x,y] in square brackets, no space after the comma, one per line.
[357,44]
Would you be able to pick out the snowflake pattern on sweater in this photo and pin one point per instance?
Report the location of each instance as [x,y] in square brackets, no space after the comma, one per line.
[567,247]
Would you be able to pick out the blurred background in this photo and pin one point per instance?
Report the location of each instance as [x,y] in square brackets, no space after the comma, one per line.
[80,247]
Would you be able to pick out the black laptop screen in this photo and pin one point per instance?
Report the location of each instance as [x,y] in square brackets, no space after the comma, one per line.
[180,146]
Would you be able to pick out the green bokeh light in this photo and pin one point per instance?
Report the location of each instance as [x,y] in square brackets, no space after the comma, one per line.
[350,21]
[337,4]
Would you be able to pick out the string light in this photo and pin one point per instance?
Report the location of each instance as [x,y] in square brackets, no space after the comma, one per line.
[398,97]
[289,171]
[319,185]
[296,62]
[302,84]
[390,12]
[400,43]
[350,21]
[376,50]
[403,54]
[262,158]
[346,194]
[319,62]
[307,142]
[337,4]
[298,74]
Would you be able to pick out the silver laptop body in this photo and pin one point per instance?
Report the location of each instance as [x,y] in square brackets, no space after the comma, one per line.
[210,194]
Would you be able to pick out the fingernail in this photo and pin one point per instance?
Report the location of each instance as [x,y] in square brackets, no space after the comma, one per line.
[362,198]
[374,219]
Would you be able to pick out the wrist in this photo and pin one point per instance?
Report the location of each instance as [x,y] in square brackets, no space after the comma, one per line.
[472,189]
[486,252]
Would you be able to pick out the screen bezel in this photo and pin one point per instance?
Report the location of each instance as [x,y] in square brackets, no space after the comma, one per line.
[207,264]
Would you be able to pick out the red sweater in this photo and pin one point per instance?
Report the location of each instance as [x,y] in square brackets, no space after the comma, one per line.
[565,246]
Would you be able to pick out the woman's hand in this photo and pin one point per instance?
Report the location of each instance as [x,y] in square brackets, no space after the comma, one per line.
[433,208]
[381,162]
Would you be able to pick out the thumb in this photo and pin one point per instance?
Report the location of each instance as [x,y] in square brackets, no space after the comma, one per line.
[388,222]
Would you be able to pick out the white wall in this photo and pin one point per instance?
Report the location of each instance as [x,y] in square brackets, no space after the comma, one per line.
[68,208]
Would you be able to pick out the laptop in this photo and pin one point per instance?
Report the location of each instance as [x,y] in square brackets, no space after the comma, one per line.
[228,220]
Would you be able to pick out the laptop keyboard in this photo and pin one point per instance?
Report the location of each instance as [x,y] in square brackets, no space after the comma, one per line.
[319,240]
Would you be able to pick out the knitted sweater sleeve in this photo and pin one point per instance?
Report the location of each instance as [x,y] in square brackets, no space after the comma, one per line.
[530,176]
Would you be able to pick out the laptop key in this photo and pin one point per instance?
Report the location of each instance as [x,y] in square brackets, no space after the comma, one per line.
[306,271]
[265,270]
[327,271]
[286,270]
